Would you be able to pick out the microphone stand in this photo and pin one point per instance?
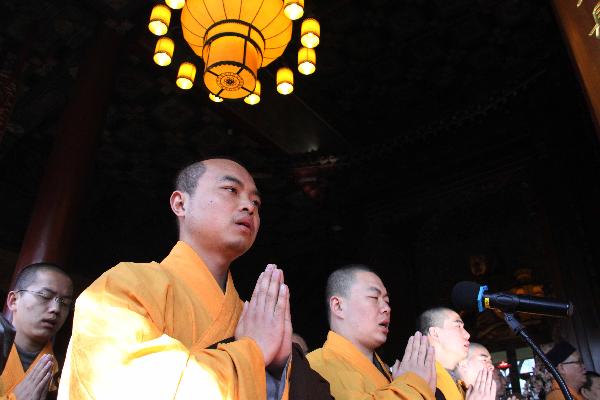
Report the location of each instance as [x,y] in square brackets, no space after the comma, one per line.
[519,329]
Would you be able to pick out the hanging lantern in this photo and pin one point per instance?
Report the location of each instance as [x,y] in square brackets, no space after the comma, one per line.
[186,75]
[285,80]
[175,4]
[235,41]
[307,60]
[596,15]
[214,98]
[293,9]
[163,53]
[254,97]
[160,17]
[310,33]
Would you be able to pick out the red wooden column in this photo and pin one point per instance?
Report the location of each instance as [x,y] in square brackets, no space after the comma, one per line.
[576,23]
[56,211]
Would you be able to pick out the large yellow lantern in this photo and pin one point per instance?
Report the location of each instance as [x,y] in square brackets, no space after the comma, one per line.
[235,38]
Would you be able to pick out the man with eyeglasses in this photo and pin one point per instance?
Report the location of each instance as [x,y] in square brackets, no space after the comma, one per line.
[40,303]
[568,363]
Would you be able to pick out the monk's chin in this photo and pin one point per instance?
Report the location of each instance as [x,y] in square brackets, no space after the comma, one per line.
[239,247]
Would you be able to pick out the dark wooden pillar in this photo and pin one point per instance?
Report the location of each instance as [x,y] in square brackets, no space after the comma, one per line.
[56,210]
[576,23]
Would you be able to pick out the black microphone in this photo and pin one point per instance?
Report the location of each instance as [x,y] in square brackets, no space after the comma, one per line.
[473,296]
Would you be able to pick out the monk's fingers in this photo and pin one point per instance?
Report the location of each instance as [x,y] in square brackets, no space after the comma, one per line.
[272,297]
[493,389]
[41,389]
[469,392]
[254,298]
[395,367]
[288,312]
[424,344]
[263,288]
[41,368]
[430,359]
[479,381]
[279,307]
[431,362]
[409,349]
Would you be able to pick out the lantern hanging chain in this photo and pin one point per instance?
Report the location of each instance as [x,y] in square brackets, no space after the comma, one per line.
[596,14]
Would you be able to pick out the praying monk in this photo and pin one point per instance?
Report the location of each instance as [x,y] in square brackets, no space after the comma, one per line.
[445,330]
[478,358]
[39,303]
[359,317]
[156,330]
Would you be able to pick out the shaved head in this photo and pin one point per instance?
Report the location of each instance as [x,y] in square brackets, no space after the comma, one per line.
[28,274]
[187,179]
[434,317]
[340,281]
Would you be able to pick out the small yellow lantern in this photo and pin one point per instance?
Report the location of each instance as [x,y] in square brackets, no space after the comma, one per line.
[186,75]
[310,33]
[293,9]
[163,53]
[175,4]
[160,17]
[285,80]
[214,98]
[307,60]
[254,97]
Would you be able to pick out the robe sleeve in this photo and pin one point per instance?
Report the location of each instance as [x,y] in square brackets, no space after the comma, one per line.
[408,386]
[555,395]
[118,350]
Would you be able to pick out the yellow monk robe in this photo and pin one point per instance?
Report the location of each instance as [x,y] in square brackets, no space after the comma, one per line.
[140,331]
[449,388]
[13,372]
[556,393]
[353,376]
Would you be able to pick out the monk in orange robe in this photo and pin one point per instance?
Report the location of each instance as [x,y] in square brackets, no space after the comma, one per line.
[567,361]
[39,305]
[156,330]
[359,317]
[445,330]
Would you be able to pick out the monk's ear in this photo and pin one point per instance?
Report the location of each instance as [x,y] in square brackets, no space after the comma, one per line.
[11,301]
[586,392]
[336,307]
[434,332]
[178,202]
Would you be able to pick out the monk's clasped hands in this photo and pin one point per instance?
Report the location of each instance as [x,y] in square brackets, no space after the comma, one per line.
[267,320]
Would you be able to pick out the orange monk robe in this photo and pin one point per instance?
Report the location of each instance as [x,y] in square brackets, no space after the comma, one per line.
[140,331]
[353,376]
[556,393]
[13,372]
[446,384]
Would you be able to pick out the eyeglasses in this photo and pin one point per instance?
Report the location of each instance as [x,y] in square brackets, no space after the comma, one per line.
[45,297]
